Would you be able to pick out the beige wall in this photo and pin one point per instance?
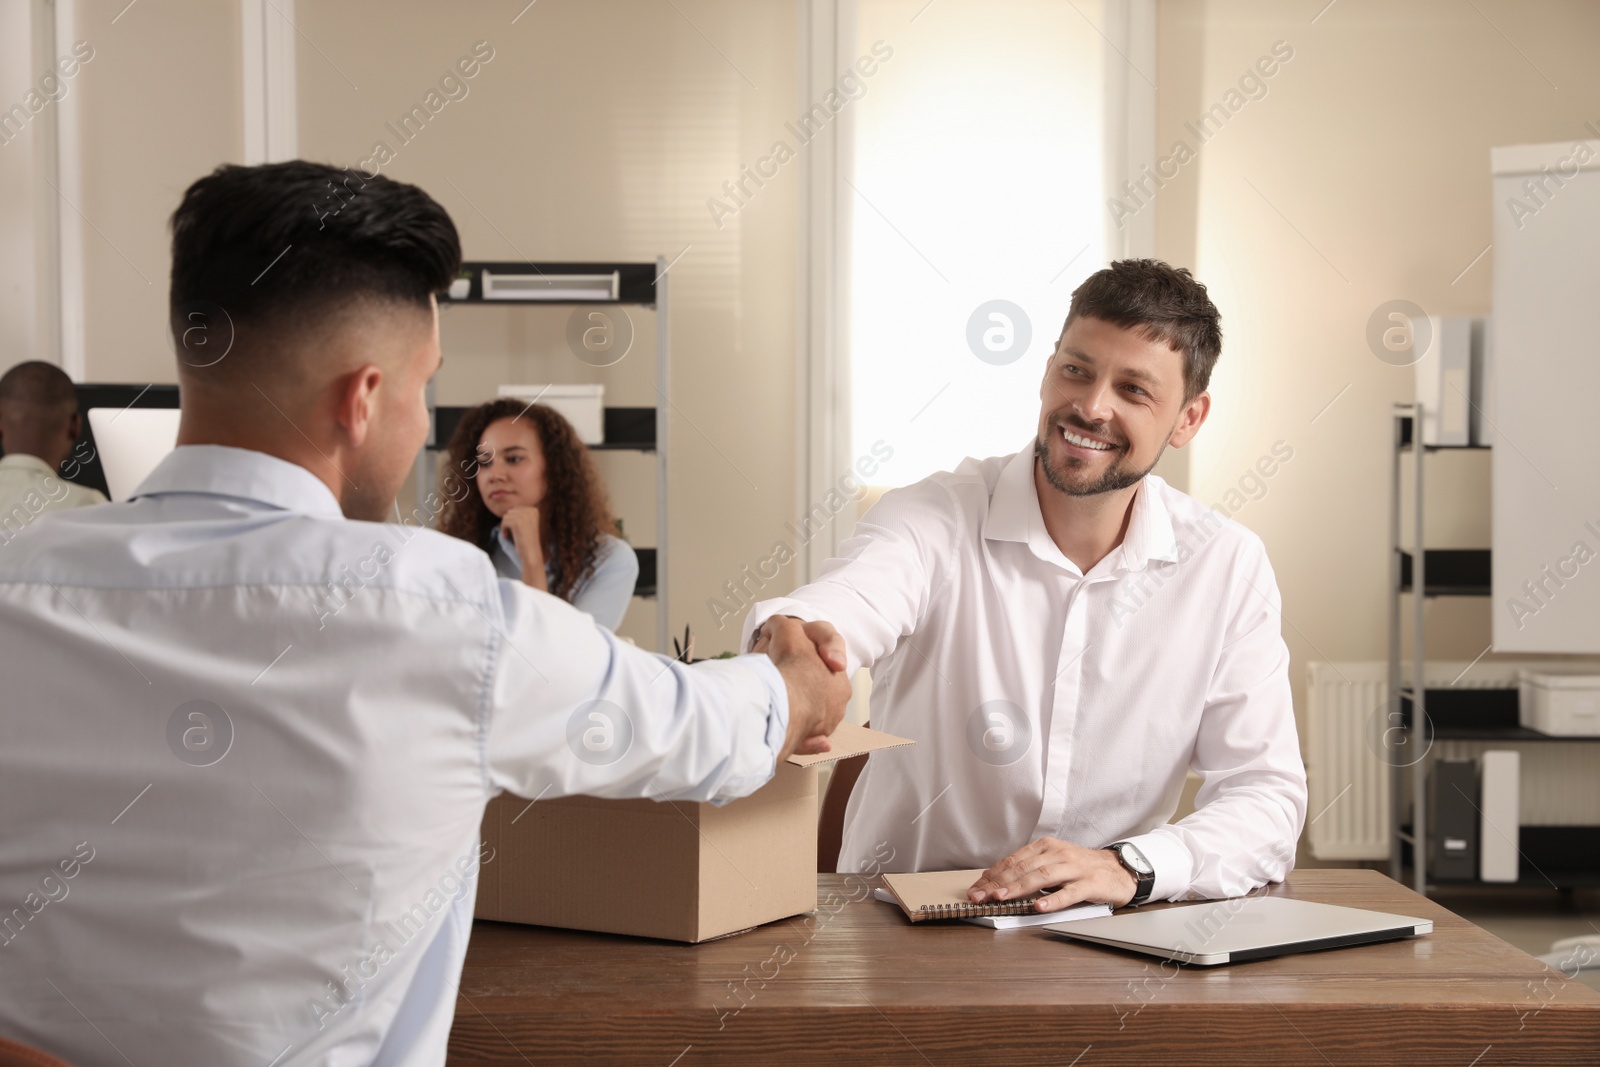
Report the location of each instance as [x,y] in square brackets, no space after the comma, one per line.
[1362,176]
[160,106]
[18,301]
[598,132]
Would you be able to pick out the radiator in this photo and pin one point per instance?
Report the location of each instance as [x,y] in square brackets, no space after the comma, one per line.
[1348,817]
[1347,713]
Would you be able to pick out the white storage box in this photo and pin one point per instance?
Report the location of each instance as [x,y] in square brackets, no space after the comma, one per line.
[1444,380]
[1561,705]
[582,405]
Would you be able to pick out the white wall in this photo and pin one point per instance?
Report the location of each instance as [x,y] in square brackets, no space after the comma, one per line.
[1362,176]
[18,334]
[160,106]
[599,131]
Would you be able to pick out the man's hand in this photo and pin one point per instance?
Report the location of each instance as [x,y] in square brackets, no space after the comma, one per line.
[818,691]
[829,642]
[1084,874]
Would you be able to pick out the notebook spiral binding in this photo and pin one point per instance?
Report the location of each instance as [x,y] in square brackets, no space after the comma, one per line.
[975,911]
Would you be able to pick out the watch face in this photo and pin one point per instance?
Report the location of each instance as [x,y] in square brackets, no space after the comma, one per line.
[1135,859]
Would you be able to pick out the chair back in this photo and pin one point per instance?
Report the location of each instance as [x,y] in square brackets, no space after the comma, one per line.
[13,1054]
[830,822]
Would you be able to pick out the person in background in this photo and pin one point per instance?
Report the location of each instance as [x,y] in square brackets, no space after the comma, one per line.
[39,422]
[250,726]
[534,501]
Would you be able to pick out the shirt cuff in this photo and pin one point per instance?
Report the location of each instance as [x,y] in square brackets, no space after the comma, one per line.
[778,705]
[1173,865]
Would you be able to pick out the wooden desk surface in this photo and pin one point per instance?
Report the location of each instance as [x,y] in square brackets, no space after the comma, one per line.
[857,984]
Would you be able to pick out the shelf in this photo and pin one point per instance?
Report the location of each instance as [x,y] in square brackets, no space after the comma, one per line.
[1491,712]
[1515,733]
[1556,854]
[630,429]
[1527,878]
[570,289]
[1550,854]
[636,282]
[1405,442]
[1450,572]
[1475,715]
[626,429]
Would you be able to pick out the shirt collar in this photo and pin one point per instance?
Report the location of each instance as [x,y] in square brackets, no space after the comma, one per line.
[23,461]
[218,470]
[1150,535]
[1014,515]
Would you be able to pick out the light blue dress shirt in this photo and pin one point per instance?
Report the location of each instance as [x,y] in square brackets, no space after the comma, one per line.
[246,747]
[607,591]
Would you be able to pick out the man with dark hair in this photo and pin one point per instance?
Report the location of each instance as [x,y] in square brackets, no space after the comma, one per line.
[254,729]
[1067,637]
[39,422]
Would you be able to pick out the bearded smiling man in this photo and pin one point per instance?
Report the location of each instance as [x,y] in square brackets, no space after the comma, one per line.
[1066,636]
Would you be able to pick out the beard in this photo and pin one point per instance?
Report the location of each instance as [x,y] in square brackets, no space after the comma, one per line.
[1071,478]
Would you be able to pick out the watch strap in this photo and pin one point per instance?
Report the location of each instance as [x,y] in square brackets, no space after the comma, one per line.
[1144,884]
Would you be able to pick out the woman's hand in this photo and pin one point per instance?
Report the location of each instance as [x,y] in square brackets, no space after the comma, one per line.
[521,525]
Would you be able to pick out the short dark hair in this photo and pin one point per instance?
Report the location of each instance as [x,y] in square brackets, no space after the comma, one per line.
[1164,303]
[281,245]
[43,387]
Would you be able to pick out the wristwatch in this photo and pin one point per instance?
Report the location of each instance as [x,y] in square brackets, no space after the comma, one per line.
[1134,862]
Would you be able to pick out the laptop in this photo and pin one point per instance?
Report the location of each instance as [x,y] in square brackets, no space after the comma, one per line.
[1240,929]
[131,442]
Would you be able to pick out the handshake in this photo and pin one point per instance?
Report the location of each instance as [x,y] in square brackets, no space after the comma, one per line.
[810,656]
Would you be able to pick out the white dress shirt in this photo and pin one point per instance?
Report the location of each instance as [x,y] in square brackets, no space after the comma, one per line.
[246,748]
[29,488]
[605,594]
[1049,702]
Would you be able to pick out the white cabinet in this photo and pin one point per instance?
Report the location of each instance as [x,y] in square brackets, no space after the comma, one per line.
[1546,398]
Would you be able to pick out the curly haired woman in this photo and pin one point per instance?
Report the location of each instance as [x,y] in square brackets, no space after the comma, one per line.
[535,503]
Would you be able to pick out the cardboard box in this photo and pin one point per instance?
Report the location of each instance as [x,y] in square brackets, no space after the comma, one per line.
[677,870]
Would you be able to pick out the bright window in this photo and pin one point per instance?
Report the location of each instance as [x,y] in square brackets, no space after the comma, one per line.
[977,174]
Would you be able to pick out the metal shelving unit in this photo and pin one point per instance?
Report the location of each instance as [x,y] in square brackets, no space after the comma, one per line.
[626,429]
[1463,714]
[1460,573]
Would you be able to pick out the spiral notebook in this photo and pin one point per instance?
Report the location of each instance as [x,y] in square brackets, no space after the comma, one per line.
[933,895]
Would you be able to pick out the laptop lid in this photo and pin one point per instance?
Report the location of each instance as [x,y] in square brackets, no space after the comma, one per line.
[131,442]
[1243,928]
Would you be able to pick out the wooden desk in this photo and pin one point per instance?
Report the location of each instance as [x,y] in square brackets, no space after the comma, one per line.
[862,986]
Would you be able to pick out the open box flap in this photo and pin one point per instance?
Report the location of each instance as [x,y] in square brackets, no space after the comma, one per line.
[851,740]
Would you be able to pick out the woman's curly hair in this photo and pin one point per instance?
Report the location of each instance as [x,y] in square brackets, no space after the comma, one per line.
[574,499]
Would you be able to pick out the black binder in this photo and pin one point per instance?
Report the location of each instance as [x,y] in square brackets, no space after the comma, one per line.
[1453,820]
